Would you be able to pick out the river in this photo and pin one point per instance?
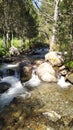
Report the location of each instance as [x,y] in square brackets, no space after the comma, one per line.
[47,106]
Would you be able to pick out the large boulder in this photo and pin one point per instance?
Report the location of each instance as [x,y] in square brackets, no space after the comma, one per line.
[38,62]
[25,71]
[55,58]
[46,72]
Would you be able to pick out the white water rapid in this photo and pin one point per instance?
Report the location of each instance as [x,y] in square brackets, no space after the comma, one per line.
[62,83]
[34,81]
[16,87]
[5,68]
[15,90]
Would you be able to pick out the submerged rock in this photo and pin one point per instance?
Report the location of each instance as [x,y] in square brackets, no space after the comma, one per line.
[4,87]
[48,108]
[52,115]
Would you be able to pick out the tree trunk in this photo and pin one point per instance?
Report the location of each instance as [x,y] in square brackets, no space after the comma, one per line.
[12,39]
[54,29]
[7,36]
[4,40]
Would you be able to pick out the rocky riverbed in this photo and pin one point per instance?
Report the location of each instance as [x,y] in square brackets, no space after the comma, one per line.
[49,108]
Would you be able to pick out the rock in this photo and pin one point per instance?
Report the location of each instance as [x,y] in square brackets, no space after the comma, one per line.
[1,74]
[55,58]
[7,59]
[63,72]
[62,67]
[52,115]
[46,72]
[11,72]
[70,77]
[38,62]
[13,51]
[25,71]
[4,87]
[48,108]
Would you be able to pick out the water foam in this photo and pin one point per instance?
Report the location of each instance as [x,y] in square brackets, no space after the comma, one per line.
[15,90]
[34,81]
[62,83]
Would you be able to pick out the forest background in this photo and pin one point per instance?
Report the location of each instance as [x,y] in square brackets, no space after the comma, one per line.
[24,25]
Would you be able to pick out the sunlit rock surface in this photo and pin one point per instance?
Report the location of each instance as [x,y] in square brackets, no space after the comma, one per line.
[70,77]
[55,58]
[46,72]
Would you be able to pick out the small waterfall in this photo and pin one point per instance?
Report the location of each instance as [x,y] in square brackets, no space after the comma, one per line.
[9,69]
[34,81]
[16,87]
[15,90]
[62,83]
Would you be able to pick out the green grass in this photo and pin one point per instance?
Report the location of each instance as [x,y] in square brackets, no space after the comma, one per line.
[16,42]
[1,43]
[2,49]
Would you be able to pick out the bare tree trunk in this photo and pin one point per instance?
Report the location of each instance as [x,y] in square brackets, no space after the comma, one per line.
[4,38]
[54,29]
[7,36]
[12,39]
[4,41]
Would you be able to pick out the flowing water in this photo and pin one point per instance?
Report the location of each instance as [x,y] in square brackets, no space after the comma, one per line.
[16,87]
[50,99]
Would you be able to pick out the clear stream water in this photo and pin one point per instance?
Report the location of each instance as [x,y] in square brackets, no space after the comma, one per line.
[16,87]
